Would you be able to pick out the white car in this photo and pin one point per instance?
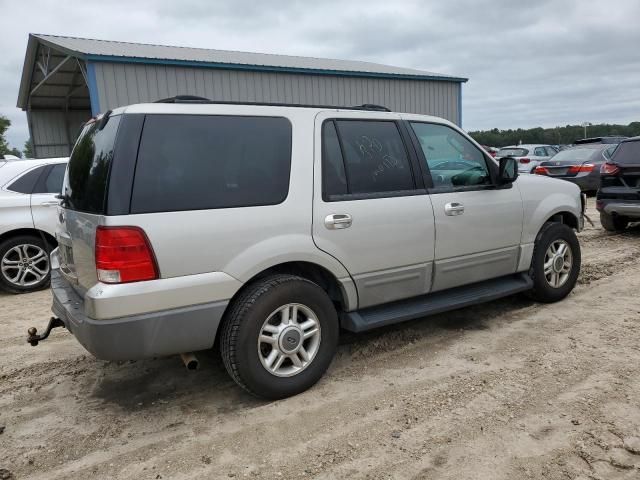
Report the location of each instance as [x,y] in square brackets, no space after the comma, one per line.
[528,156]
[28,217]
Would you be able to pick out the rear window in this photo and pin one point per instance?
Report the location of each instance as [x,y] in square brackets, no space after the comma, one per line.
[512,152]
[195,162]
[577,154]
[627,153]
[86,184]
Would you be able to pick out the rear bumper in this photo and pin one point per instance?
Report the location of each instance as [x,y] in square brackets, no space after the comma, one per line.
[165,332]
[587,183]
[623,208]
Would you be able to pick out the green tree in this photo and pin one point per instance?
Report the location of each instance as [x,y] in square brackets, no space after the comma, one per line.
[4,125]
[28,149]
[15,152]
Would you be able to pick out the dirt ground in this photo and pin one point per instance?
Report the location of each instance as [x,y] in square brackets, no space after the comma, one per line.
[506,390]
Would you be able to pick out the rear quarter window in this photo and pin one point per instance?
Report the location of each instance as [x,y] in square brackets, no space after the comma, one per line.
[85,186]
[195,162]
[27,182]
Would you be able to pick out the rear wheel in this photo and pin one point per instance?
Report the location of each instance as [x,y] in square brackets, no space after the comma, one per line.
[555,264]
[24,264]
[613,223]
[279,336]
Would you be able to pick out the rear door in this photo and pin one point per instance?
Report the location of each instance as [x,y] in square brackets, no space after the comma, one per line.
[371,210]
[43,199]
[85,198]
[478,225]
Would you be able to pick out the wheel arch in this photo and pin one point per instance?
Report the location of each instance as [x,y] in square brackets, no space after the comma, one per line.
[29,231]
[565,217]
[341,292]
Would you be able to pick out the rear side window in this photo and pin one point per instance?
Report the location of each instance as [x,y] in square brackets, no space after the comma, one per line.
[375,157]
[627,153]
[27,182]
[86,185]
[52,181]
[195,162]
[512,152]
[540,152]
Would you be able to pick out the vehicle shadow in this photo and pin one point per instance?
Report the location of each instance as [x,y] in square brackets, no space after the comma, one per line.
[163,382]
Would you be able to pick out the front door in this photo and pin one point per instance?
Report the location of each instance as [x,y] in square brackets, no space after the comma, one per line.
[371,210]
[478,225]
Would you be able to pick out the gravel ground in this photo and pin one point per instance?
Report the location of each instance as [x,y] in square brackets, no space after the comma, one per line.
[506,390]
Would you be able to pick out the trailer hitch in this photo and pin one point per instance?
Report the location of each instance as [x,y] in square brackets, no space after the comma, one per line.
[34,338]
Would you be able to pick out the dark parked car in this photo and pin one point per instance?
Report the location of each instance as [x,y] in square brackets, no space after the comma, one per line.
[579,165]
[618,199]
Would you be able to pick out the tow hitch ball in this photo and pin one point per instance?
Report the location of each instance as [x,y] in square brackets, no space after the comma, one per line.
[33,337]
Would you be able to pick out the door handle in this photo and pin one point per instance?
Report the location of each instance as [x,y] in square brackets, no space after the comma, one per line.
[337,221]
[50,203]
[454,208]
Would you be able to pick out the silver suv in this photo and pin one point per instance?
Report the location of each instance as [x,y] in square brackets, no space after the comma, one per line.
[270,228]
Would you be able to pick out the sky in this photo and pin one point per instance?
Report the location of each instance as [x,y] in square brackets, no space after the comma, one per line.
[536,63]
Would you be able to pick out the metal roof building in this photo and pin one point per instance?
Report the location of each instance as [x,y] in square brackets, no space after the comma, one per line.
[67,80]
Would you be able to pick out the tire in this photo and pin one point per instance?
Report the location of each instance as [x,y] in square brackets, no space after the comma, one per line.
[613,223]
[15,254]
[554,235]
[256,314]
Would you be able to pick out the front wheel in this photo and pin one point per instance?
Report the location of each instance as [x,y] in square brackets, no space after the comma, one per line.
[555,264]
[279,336]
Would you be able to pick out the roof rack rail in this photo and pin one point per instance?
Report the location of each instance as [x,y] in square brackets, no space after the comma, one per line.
[607,139]
[197,99]
[184,99]
[372,106]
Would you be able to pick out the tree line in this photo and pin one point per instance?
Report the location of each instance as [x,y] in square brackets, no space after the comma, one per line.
[552,136]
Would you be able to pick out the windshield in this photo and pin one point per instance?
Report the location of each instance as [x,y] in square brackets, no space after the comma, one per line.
[512,152]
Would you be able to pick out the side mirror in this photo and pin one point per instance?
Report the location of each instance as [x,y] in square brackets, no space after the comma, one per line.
[508,170]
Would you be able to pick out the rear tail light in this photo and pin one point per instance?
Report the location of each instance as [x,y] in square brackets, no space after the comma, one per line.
[124,254]
[586,167]
[609,168]
[541,171]
[525,160]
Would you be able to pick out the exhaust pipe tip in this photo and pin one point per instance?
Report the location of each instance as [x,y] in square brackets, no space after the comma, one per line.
[190,361]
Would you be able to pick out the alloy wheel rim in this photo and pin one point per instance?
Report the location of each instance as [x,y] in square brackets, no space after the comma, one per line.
[25,265]
[558,262]
[289,340]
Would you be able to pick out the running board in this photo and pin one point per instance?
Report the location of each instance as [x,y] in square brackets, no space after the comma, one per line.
[412,308]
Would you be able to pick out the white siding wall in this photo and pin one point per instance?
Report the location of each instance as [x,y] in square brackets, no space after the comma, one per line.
[48,130]
[126,83]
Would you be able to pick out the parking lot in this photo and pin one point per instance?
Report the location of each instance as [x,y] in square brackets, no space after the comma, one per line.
[509,389]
